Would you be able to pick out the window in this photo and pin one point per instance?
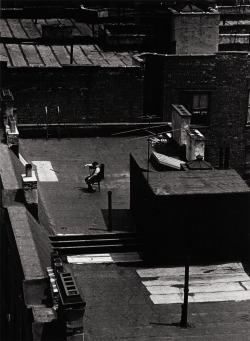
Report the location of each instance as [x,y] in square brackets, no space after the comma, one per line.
[197,103]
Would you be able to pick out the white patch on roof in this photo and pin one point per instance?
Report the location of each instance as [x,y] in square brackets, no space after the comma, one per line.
[213,283]
[91,258]
[45,171]
[167,160]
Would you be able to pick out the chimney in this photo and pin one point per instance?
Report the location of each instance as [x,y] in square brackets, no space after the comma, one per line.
[7,102]
[193,30]
[71,303]
[29,184]
[195,144]
[12,134]
[181,118]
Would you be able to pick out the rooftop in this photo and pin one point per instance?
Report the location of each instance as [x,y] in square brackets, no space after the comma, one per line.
[21,46]
[24,29]
[132,301]
[20,55]
[197,182]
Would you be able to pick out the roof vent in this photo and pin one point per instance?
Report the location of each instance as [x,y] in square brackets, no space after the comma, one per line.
[198,164]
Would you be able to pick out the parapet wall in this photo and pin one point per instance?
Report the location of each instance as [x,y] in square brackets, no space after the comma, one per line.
[83,94]
[23,279]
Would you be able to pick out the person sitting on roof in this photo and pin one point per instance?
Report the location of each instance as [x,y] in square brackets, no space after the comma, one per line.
[94,169]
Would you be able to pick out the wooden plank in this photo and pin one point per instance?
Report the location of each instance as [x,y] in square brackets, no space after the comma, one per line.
[88,259]
[125,58]
[45,171]
[96,58]
[105,258]
[196,288]
[83,29]
[197,279]
[66,22]
[16,28]
[80,57]
[202,297]
[3,54]
[193,270]
[30,28]
[51,21]
[47,55]
[212,283]
[113,59]
[61,54]
[4,29]
[31,55]
[16,55]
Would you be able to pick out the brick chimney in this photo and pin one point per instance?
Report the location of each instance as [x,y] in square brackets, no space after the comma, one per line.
[12,134]
[7,102]
[181,118]
[195,145]
[194,31]
[29,184]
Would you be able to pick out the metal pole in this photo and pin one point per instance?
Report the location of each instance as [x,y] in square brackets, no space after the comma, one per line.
[58,122]
[227,157]
[110,210]
[184,307]
[221,156]
[148,152]
[46,121]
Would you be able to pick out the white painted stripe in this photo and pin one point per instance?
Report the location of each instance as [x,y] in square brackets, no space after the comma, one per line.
[105,258]
[87,259]
[45,171]
[213,283]
[22,160]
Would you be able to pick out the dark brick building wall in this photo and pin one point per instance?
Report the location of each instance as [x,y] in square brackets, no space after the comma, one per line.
[204,226]
[84,94]
[224,76]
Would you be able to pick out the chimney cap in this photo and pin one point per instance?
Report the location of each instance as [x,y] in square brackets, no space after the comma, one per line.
[199,164]
[6,95]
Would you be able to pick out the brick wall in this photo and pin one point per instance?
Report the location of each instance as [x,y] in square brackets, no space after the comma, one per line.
[224,75]
[84,94]
[196,32]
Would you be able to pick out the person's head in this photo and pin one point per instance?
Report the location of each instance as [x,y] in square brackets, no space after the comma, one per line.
[94,164]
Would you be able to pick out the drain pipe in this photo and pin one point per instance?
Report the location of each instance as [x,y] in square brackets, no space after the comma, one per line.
[184,307]
[227,157]
[110,211]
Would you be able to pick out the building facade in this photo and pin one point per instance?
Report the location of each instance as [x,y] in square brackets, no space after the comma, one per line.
[214,89]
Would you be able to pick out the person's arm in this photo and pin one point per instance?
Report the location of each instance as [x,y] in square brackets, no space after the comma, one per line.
[88,165]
